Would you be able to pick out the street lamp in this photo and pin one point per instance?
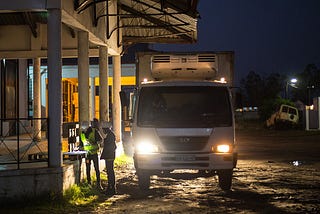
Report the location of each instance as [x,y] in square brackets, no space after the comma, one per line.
[292,83]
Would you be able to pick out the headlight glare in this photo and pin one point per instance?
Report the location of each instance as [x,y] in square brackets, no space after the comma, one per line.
[222,148]
[146,147]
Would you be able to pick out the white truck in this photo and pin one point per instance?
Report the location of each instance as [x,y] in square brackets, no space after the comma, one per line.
[182,116]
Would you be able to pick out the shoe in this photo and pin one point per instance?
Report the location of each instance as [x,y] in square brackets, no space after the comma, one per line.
[99,187]
[110,191]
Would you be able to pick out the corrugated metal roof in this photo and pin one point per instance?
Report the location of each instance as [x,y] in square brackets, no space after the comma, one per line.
[20,18]
[158,21]
[140,21]
[24,18]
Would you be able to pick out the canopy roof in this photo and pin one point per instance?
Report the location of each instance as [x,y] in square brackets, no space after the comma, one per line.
[139,21]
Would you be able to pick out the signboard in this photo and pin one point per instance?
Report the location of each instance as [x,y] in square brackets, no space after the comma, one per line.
[70,131]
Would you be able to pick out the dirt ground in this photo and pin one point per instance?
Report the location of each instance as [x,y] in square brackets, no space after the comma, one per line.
[277,172]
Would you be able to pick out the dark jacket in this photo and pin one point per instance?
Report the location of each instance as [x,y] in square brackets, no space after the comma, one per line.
[109,145]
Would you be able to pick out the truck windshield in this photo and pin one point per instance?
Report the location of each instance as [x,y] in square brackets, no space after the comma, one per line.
[188,106]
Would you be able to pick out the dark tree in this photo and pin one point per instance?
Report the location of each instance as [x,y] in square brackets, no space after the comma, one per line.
[253,86]
[308,85]
[263,93]
[274,84]
[258,89]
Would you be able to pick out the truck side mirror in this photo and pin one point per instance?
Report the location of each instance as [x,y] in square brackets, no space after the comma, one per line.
[124,105]
[237,97]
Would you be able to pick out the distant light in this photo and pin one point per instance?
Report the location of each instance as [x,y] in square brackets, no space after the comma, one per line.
[239,110]
[294,80]
[145,80]
[223,80]
[311,107]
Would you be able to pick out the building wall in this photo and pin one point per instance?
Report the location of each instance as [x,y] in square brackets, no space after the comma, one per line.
[25,184]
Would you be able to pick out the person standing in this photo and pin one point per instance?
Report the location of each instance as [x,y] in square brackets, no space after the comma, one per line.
[90,139]
[108,154]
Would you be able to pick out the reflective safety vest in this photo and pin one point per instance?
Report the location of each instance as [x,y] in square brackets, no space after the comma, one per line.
[90,145]
[92,136]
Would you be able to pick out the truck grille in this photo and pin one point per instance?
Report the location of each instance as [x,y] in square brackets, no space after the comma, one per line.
[161,59]
[184,143]
[186,165]
[206,58]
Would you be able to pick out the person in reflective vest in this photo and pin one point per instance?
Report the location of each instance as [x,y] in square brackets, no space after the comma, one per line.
[89,143]
[90,139]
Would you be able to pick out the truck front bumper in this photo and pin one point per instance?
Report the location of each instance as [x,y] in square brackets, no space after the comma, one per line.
[203,161]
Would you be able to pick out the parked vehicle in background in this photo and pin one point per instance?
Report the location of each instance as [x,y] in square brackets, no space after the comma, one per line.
[286,117]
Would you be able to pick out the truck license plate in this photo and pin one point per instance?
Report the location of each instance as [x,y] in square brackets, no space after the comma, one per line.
[185,158]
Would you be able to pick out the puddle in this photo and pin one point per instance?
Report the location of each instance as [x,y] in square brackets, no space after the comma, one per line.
[297,163]
[302,163]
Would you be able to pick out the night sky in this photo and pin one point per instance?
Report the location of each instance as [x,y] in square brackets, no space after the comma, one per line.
[280,36]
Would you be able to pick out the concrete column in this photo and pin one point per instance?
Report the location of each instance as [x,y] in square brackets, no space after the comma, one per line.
[36,99]
[307,118]
[93,98]
[54,87]
[318,109]
[83,75]
[103,84]
[23,94]
[116,106]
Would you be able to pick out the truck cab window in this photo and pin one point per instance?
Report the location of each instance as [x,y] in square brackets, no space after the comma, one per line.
[181,106]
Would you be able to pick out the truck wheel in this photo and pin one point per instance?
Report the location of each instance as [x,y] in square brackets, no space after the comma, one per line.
[225,178]
[143,179]
[235,160]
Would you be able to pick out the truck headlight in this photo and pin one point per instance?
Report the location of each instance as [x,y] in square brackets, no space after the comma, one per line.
[146,147]
[222,148]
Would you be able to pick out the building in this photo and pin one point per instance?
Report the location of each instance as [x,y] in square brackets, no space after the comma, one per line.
[62,29]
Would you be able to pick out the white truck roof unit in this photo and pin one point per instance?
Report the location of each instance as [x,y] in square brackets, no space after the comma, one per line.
[184,66]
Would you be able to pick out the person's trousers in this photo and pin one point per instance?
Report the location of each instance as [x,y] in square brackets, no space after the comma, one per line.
[110,173]
[95,159]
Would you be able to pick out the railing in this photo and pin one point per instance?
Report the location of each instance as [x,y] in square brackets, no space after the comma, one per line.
[23,141]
